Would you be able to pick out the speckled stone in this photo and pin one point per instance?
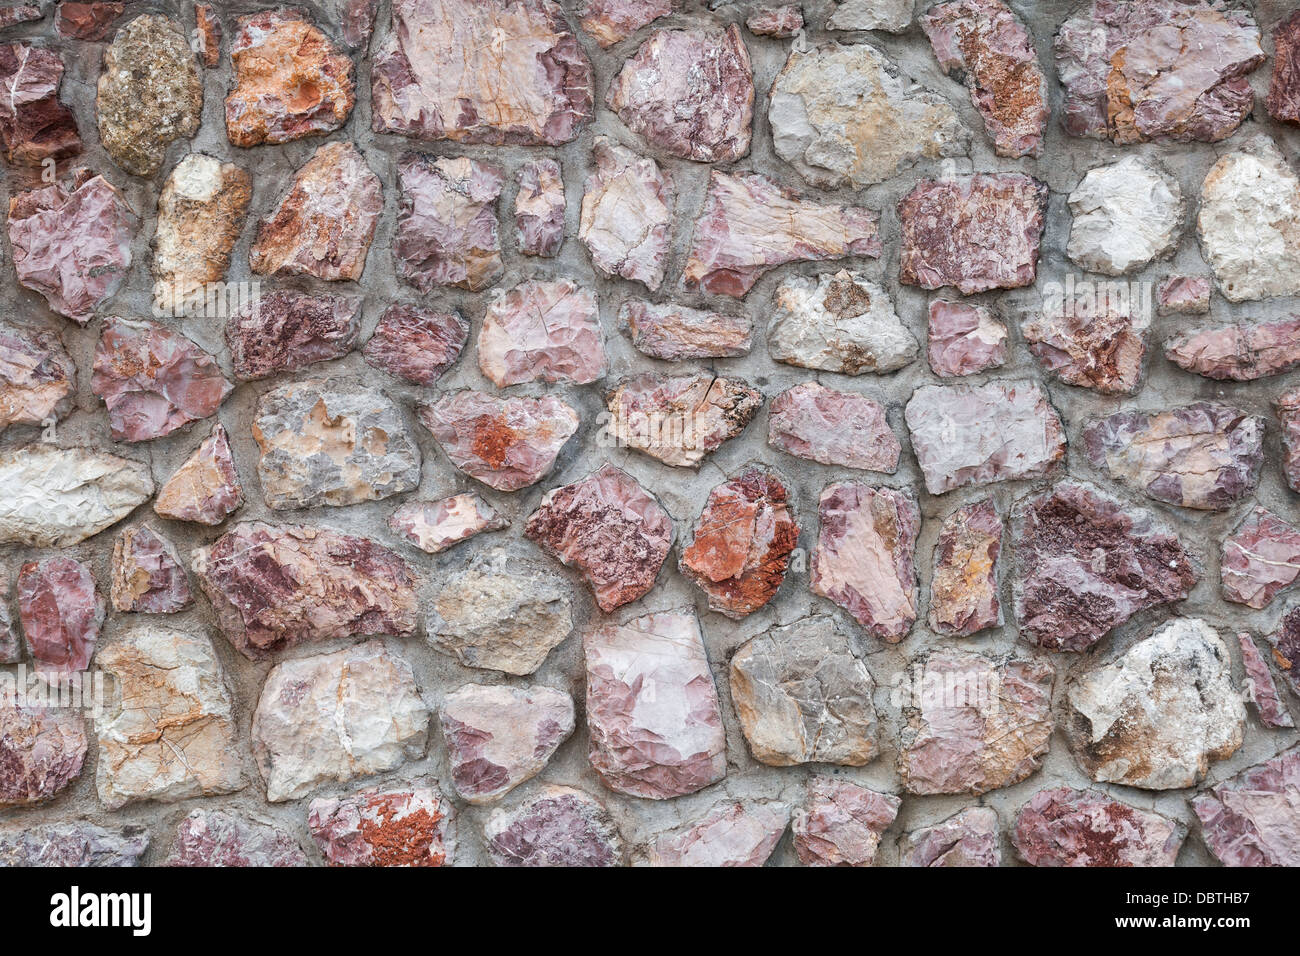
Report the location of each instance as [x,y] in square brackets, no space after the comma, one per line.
[286,330]
[1065,827]
[965,583]
[415,344]
[834,428]
[410,826]
[76,844]
[556,826]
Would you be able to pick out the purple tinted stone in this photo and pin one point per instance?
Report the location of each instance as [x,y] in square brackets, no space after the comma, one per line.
[965,339]
[967,838]
[1260,559]
[42,750]
[208,838]
[1251,819]
[34,124]
[416,344]
[1238,353]
[61,612]
[833,428]
[547,331]
[674,332]
[840,823]
[147,576]
[435,526]
[559,826]
[447,223]
[539,208]
[72,844]
[738,834]
[1259,687]
[1064,827]
[285,330]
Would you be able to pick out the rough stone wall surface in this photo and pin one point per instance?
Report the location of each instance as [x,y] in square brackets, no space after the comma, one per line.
[474,227]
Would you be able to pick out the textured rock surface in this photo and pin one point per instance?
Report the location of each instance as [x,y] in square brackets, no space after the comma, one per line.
[37,376]
[42,750]
[1259,688]
[848,116]
[737,834]
[208,838]
[864,559]
[1157,715]
[207,25]
[557,826]
[61,612]
[967,838]
[336,717]
[803,696]
[415,344]
[35,125]
[72,844]
[547,331]
[413,826]
[1064,827]
[87,21]
[1086,562]
[285,330]
[273,587]
[1178,295]
[609,21]
[840,823]
[680,419]
[447,223]
[965,583]
[964,339]
[1287,407]
[1105,350]
[833,428]
[171,733]
[1286,647]
[626,215]
[1283,100]
[780,22]
[11,644]
[841,322]
[977,434]
[539,208]
[889,15]
[497,737]
[206,487]
[1260,559]
[435,526]
[1249,820]
[148,577]
[674,332]
[1241,352]
[975,724]
[1204,456]
[1124,215]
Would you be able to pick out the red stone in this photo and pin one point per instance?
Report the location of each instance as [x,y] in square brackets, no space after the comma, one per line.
[406,827]
[1259,688]
[209,32]
[147,574]
[779,22]
[1260,559]
[87,21]
[833,428]
[34,124]
[1283,100]
[416,344]
[1239,353]
[1183,294]
[285,330]
[965,339]
[61,614]
[1250,819]
[1064,827]
[42,750]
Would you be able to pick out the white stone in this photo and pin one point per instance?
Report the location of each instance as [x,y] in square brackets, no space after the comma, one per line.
[891,15]
[838,323]
[1125,215]
[627,212]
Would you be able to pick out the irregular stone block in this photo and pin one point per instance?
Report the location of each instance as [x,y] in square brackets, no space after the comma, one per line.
[840,823]
[1125,215]
[779,22]
[892,16]
[559,826]
[539,208]
[435,526]
[674,332]
[412,826]
[1283,100]
[1064,827]
[87,21]
[148,577]
[1239,353]
[627,213]
[1178,295]
[37,376]
[34,123]
[42,750]
[72,844]
[1286,647]
[209,33]
[611,21]
[1260,559]
[833,428]
[1104,351]
[964,586]
[1248,819]
[11,644]
[1287,407]
[208,838]
[286,330]
[967,838]
[206,487]
[964,339]
[447,223]
[542,331]
[61,612]
[838,323]
[1259,688]
[416,345]
[737,834]
[680,419]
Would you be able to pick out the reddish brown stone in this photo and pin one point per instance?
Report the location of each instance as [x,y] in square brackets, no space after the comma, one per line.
[1283,100]
[42,750]
[964,587]
[680,419]
[285,330]
[415,344]
[87,21]
[1104,352]
[209,32]
[780,22]
[61,612]
[405,827]
[674,332]
[1238,353]
[447,223]
[1064,827]
[14,15]
[147,576]
[1286,647]
[833,428]
[206,487]
[34,124]
[964,339]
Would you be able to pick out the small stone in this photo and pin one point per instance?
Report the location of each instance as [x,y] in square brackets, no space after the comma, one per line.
[87,21]
[892,16]
[335,717]
[975,724]
[416,345]
[779,22]
[286,330]
[149,93]
[14,15]
[539,208]
[412,826]
[1157,715]
[1102,350]
[273,588]
[689,93]
[1249,222]
[1287,407]
[627,213]
[154,380]
[1183,295]
[611,21]
[976,232]
[652,708]
[841,322]
[494,72]
[1286,647]
[608,527]
[62,612]
[559,826]
[323,224]
[72,242]
[840,823]
[674,332]
[205,488]
[542,331]
[498,737]
[58,497]
[200,217]
[1239,353]
[1205,456]
[736,834]
[1085,562]
[833,428]
[209,34]
[983,44]
[506,443]
[1283,100]
[42,750]
[147,576]
[751,224]
[964,586]
[1259,688]
[447,223]
[214,838]
[1125,215]
[72,844]
[37,376]
[170,735]
[979,434]
[1250,819]
[34,123]
[803,696]
[1064,827]
[964,339]
[11,644]
[356,21]
[435,526]
[1260,559]
[680,419]
[864,556]
[740,546]
[327,442]
[290,81]
[967,838]
[849,116]
[1162,70]
[501,619]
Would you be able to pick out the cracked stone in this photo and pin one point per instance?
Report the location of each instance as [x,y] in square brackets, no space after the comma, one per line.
[780,22]
[416,345]
[558,826]
[1103,350]
[1125,215]
[841,322]
[1065,827]
[38,378]
[736,834]
[963,339]
[434,526]
[24,13]
[1259,688]
[61,612]
[1250,819]
[680,419]
[1283,100]
[209,34]
[1286,647]
[626,216]
[91,22]
[147,574]
[447,223]
[1183,295]
[834,428]
[1241,352]
[286,330]
[34,123]
[208,838]
[967,838]
[547,331]
[42,750]
[412,826]
[964,586]
[674,332]
[840,823]
[205,488]
[892,16]
[1260,559]
[539,208]
[1287,407]
[612,21]
[72,844]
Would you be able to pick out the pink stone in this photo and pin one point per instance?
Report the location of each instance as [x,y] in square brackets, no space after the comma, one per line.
[608,527]
[964,586]
[506,443]
[87,21]
[1250,819]
[539,208]
[435,526]
[481,71]
[652,708]
[1260,559]
[1287,406]
[206,488]
[76,844]
[751,224]
[840,823]
[37,377]
[976,232]
[34,123]
[42,750]
[610,21]
[736,834]
[1259,687]
[864,556]
[1103,351]
[780,22]
[558,826]
[357,21]
[1064,827]
[153,380]
[410,826]
[447,223]
[61,612]
[25,13]
[147,575]
[967,838]
[627,214]
[740,546]
[1183,295]
[833,428]
[965,339]
[1238,353]
[674,332]
[208,838]
[680,419]
[689,93]
[416,344]
[72,242]
[286,330]
[1284,86]
[542,331]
